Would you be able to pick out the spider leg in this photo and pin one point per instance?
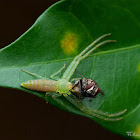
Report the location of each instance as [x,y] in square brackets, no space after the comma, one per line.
[74,79]
[53,75]
[70,70]
[93,43]
[34,74]
[95,113]
[94,48]
[55,96]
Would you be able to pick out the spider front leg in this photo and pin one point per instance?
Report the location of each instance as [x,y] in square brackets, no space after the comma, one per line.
[88,50]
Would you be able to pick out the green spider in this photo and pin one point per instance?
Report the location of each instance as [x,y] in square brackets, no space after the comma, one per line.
[62,86]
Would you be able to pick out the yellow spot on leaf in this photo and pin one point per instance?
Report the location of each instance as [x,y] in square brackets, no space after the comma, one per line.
[137,132]
[139,67]
[69,43]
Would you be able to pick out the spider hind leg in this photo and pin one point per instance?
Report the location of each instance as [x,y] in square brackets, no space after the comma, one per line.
[95,113]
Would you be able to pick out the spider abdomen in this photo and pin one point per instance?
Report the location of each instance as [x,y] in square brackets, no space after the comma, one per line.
[41,85]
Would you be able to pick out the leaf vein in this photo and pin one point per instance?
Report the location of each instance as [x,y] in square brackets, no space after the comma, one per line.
[82,25]
[69,59]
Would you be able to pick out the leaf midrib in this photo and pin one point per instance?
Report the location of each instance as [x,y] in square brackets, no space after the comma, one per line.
[68,59]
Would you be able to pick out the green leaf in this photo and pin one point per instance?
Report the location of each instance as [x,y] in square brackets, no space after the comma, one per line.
[63,31]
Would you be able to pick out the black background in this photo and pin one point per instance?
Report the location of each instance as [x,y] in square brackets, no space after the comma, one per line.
[27,117]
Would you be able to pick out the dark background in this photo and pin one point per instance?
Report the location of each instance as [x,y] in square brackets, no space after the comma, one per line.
[27,117]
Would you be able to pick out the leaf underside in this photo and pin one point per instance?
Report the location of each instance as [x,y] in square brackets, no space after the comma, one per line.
[63,31]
